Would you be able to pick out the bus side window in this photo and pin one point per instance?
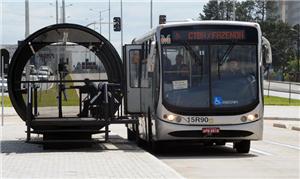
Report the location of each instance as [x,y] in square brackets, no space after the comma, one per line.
[145,83]
[135,59]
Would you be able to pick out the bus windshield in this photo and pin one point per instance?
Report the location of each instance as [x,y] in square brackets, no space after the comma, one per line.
[204,76]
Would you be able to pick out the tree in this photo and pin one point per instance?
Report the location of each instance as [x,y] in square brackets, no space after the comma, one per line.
[280,36]
[217,10]
[211,11]
[260,12]
[250,10]
[226,9]
[244,11]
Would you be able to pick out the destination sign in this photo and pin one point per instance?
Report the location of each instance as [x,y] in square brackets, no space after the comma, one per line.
[181,35]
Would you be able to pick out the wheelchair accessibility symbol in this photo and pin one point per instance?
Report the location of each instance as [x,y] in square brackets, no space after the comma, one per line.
[218,100]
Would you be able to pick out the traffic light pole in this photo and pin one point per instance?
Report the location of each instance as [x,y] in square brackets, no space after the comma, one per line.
[2,89]
[121,27]
[151,14]
[109,20]
[4,61]
[100,19]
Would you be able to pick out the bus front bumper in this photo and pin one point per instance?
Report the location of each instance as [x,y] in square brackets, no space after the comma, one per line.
[246,131]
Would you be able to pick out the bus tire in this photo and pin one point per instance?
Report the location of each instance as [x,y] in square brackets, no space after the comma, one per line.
[242,146]
[131,136]
[220,143]
[208,143]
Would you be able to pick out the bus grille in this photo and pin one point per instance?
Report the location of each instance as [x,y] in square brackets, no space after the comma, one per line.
[222,133]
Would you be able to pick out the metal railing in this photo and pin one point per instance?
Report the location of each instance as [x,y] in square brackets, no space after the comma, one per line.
[290,88]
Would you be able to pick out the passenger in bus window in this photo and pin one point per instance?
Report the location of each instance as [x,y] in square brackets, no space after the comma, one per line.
[181,70]
[179,61]
[136,74]
[167,65]
[233,68]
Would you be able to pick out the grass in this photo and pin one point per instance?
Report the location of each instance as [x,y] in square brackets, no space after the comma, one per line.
[7,102]
[49,97]
[272,100]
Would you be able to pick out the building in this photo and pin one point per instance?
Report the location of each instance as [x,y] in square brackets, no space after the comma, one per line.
[293,12]
[286,10]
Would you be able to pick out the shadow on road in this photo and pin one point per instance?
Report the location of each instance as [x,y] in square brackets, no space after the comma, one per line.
[192,150]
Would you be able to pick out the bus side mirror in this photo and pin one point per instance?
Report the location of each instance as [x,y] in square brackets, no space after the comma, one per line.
[267,52]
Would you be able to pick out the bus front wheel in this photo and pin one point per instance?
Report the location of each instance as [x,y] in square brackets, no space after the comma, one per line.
[242,146]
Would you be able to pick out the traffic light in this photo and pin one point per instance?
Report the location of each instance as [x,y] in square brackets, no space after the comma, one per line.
[162,19]
[4,60]
[117,24]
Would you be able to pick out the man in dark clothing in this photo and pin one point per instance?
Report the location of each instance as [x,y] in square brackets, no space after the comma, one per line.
[91,89]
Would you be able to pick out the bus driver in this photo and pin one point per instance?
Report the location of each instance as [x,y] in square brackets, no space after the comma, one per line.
[182,70]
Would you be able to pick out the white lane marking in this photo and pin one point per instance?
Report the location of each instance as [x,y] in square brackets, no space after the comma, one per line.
[254,151]
[284,145]
[260,152]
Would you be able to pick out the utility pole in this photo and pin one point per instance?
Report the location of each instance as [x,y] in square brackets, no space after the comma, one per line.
[296,29]
[63,11]
[109,20]
[233,15]
[151,14]
[2,89]
[26,18]
[122,27]
[298,52]
[56,5]
[100,19]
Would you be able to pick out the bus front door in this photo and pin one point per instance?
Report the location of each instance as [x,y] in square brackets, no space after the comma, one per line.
[132,55]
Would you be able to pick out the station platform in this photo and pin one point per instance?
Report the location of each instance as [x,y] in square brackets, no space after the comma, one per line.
[117,158]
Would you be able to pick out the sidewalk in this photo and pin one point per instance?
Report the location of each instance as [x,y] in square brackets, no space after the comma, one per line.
[117,158]
[8,111]
[283,116]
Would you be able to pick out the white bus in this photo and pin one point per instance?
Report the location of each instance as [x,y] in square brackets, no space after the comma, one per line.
[197,81]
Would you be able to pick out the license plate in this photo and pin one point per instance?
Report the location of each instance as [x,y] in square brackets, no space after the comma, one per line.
[210,130]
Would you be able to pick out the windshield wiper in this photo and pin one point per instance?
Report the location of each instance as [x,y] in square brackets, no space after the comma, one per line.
[193,53]
[225,56]
[198,59]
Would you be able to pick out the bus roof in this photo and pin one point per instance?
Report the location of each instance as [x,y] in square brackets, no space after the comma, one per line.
[209,22]
[192,22]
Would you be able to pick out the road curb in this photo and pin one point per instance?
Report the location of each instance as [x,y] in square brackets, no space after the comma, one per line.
[279,125]
[295,128]
[281,119]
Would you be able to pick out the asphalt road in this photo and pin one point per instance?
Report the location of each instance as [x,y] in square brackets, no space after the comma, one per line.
[276,156]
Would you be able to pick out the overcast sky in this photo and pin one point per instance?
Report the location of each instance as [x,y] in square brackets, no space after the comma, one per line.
[136,15]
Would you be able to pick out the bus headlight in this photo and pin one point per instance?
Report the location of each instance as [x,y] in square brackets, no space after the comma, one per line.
[173,118]
[250,118]
[178,119]
[243,118]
